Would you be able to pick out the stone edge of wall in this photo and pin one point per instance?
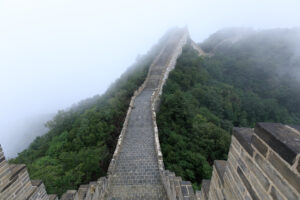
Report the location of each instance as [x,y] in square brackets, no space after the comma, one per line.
[256,168]
[169,187]
[106,182]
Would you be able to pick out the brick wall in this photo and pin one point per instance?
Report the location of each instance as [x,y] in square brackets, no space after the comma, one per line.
[15,183]
[263,163]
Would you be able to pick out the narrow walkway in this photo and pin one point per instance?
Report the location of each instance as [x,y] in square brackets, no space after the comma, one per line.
[136,176]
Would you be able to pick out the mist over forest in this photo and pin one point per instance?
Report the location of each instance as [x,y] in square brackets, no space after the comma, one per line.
[69,69]
[281,46]
[248,76]
[278,49]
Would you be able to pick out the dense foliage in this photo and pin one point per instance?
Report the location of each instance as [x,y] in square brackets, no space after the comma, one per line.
[205,97]
[80,142]
[250,78]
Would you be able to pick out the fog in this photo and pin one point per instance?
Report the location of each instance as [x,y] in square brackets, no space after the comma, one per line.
[56,53]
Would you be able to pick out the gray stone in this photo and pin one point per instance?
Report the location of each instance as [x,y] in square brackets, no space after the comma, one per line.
[298,166]
[257,172]
[283,140]
[220,166]
[285,171]
[275,194]
[244,135]
[275,178]
[247,184]
[263,149]
[205,187]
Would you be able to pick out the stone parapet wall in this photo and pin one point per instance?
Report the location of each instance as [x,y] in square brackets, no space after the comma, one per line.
[174,186]
[15,183]
[263,163]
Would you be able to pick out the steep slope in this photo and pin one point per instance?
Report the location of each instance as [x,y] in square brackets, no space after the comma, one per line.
[81,140]
[205,97]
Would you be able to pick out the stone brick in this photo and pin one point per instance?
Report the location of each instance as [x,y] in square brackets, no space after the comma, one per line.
[298,166]
[244,135]
[242,166]
[263,149]
[257,172]
[236,181]
[283,140]
[275,194]
[260,191]
[275,178]
[205,187]
[2,159]
[285,171]
[220,166]
[247,184]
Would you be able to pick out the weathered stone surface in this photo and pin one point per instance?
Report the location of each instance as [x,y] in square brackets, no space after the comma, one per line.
[297,127]
[275,194]
[283,139]
[244,135]
[275,178]
[205,187]
[263,149]
[53,197]
[234,180]
[298,166]
[16,169]
[257,172]
[247,184]
[2,159]
[220,166]
[137,163]
[260,191]
[69,195]
[285,171]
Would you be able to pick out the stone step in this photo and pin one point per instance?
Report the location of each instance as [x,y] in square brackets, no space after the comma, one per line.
[137,192]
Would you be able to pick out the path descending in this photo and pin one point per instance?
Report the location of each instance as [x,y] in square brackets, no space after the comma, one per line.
[136,175]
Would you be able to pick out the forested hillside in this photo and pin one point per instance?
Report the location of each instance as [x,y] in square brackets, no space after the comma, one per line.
[251,77]
[81,140]
[246,81]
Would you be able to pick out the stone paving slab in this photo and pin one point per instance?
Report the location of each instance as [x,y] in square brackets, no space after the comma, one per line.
[137,175]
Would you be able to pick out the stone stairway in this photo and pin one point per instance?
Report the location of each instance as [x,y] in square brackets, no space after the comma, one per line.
[137,175]
[136,171]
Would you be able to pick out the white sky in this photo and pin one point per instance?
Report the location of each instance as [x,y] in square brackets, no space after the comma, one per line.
[54,53]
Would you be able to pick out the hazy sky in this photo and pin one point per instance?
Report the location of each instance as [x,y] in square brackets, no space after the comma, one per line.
[54,53]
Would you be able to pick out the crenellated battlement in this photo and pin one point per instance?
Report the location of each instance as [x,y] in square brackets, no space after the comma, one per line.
[263,163]
[15,183]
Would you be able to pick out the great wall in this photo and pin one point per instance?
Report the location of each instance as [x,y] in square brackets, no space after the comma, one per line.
[263,163]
